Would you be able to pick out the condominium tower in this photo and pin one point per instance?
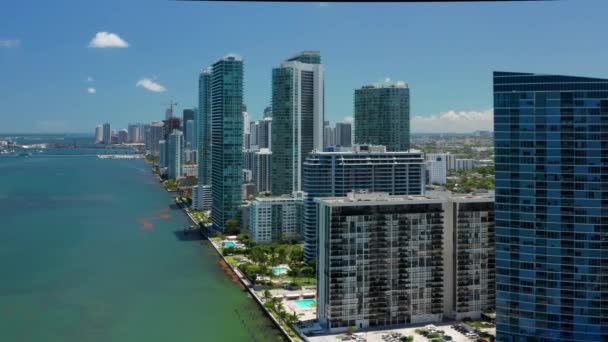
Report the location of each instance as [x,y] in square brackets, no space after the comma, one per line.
[175,165]
[551,144]
[297,118]
[329,174]
[226,102]
[382,115]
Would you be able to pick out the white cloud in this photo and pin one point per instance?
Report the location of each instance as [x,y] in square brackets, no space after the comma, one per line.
[454,122]
[151,85]
[9,43]
[348,119]
[107,40]
[91,90]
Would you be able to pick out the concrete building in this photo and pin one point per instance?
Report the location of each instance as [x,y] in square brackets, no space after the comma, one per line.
[380,261]
[260,134]
[107,134]
[162,155]
[437,169]
[469,254]
[275,219]
[329,135]
[344,134]
[382,115]
[397,260]
[372,168]
[98,134]
[156,135]
[123,136]
[201,197]
[465,164]
[204,128]
[297,118]
[136,134]
[175,165]
[262,170]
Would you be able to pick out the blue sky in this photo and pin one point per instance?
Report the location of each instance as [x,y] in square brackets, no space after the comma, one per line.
[445,52]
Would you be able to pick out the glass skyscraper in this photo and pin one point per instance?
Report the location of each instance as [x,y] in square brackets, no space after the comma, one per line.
[174,159]
[204,127]
[297,118]
[551,145]
[382,115]
[226,86]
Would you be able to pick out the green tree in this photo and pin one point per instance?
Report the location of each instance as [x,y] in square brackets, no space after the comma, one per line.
[232,226]
[267,294]
[308,271]
[350,330]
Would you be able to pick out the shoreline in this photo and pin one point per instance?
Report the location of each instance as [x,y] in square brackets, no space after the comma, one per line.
[236,275]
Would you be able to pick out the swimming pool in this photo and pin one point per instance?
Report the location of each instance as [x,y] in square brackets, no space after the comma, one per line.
[280,270]
[229,244]
[305,303]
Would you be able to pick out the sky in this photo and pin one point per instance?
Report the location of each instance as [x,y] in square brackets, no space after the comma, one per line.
[66,66]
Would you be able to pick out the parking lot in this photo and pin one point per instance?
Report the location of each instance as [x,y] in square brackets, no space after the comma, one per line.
[377,335]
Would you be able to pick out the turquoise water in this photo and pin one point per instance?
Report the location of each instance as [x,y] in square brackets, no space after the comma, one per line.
[305,303]
[279,270]
[91,250]
[229,244]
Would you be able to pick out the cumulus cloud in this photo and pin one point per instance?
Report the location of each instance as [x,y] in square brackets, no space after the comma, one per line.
[454,122]
[91,90]
[9,43]
[107,40]
[151,85]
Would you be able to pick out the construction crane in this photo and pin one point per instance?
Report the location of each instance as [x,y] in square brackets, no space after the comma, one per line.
[169,112]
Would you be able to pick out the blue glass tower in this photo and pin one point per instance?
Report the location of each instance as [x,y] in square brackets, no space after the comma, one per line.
[551,144]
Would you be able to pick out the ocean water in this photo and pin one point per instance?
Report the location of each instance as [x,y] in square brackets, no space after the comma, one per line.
[92,250]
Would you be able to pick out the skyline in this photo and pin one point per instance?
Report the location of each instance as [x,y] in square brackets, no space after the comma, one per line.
[79,82]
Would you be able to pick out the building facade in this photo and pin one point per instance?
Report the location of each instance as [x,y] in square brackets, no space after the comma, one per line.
[551,145]
[262,170]
[437,168]
[382,115]
[204,127]
[175,155]
[380,261]
[226,86]
[298,108]
[344,134]
[469,254]
[107,134]
[333,174]
[98,134]
[275,219]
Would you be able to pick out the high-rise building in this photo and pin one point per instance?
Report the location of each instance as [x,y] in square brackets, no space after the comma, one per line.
[123,136]
[268,112]
[135,132]
[464,164]
[436,168]
[187,114]
[107,134]
[98,134]
[204,127]
[260,134]
[226,139]
[297,116]
[329,174]
[344,134]
[329,135]
[156,134]
[175,165]
[382,115]
[469,253]
[551,145]
[162,154]
[275,219]
[246,130]
[380,261]
[262,170]
[189,133]
[429,257]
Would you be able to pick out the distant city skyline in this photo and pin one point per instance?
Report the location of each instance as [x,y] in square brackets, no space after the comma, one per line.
[99,65]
